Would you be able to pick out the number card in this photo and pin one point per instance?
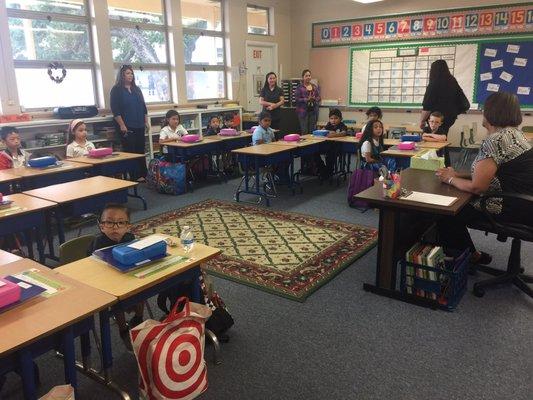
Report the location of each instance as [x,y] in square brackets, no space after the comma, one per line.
[357,30]
[443,24]
[379,28]
[369,30]
[486,20]
[416,26]
[392,28]
[471,21]
[430,24]
[501,19]
[346,31]
[518,17]
[324,34]
[457,22]
[335,32]
[403,26]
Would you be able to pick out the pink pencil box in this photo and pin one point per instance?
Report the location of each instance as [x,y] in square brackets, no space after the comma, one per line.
[359,135]
[9,292]
[406,146]
[228,132]
[293,137]
[190,138]
[101,152]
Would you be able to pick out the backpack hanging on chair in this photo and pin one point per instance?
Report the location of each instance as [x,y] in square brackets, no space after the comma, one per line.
[167,177]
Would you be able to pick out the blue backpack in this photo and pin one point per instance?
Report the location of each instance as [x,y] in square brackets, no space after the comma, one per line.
[167,177]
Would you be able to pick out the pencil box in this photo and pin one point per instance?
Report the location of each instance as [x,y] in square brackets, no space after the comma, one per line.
[127,255]
[228,132]
[358,135]
[320,132]
[101,152]
[9,292]
[410,138]
[190,138]
[41,162]
[293,137]
[406,145]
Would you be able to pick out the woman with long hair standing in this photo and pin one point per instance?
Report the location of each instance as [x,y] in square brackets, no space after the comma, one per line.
[443,94]
[307,102]
[130,113]
[271,98]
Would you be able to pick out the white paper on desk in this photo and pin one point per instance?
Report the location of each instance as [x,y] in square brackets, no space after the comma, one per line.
[490,52]
[496,64]
[520,62]
[513,48]
[493,87]
[506,76]
[147,241]
[487,76]
[523,90]
[430,198]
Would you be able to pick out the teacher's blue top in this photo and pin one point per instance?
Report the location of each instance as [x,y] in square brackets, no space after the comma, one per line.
[129,105]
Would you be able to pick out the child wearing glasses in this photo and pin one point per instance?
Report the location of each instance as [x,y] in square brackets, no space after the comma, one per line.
[114,224]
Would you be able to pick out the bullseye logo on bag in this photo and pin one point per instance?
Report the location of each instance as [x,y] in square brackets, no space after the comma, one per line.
[170,358]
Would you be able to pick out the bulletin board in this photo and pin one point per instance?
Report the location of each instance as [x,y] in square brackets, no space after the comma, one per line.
[505,66]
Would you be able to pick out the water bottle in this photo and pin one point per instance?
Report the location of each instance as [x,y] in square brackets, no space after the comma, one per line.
[187,238]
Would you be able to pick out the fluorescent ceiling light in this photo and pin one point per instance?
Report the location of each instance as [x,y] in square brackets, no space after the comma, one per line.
[367,1]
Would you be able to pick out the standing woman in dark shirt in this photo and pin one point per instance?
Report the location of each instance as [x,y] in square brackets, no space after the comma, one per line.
[307,103]
[271,98]
[443,94]
[130,113]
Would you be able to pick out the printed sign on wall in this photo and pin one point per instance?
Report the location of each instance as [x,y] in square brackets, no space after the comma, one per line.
[467,22]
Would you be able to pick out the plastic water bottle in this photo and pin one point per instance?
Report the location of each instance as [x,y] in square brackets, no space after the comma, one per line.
[187,238]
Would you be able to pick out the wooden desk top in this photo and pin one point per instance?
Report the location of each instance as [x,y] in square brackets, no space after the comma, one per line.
[529,135]
[242,134]
[205,140]
[118,156]
[395,152]
[31,172]
[70,191]
[42,316]
[265,149]
[301,143]
[98,274]
[24,204]
[313,137]
[420,181]
[7,176]
[6,257]
[423,144]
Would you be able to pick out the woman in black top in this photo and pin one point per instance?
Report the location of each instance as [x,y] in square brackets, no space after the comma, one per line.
[130,113]
[271,98]
[443,94]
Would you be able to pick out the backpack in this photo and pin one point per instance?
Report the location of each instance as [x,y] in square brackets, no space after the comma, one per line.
[167,177]
[360,180]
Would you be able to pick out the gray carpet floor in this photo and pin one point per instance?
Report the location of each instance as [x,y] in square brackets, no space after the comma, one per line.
[345,343]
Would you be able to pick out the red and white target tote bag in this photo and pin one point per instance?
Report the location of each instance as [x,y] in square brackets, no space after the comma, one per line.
[170,354]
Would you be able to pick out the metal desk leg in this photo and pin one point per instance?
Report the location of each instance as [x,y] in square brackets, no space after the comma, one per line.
[196,290]
[105,337]
[27,373]
[40,247]
[69,356]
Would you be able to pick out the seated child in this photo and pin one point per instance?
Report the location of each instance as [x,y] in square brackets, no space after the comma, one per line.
[114,224]
[228,121]
[336,128]
[79,146]
[263,133]
[433,131]
[214,126]
[372,114]
[13,156]
[171,129]
[372,146]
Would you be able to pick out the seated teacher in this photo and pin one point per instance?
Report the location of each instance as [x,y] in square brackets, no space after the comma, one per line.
[271,98]
[504,153]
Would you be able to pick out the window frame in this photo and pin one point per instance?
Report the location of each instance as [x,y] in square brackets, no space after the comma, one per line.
[61,17]
[202,67]
[269,28]
[163,27]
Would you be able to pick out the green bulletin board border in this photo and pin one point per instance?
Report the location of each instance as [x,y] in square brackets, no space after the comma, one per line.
[432,43]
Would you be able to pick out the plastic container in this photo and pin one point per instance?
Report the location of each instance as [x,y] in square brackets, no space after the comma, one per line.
[358,135]
[190,138]
[410,138]
[101,152]
[127,255]
[320,132]
[392,187]
[449,283]
[9,292]
[406,146]
[293,137]
[228,132]
[42,162]
[187,238]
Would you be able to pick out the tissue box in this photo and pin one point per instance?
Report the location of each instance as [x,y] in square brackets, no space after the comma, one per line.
[9,292]
[127,255]
[417,162]
[101,152]
[42,162]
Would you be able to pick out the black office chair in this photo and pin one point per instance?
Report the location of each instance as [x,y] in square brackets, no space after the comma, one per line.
[514,176]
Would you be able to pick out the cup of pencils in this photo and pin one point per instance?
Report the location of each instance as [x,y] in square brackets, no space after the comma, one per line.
[392,186]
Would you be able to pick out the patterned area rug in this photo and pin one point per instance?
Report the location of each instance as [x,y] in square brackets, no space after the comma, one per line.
[288,254]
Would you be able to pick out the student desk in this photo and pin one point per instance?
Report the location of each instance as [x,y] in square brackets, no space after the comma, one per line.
[80,197]
[226,144]
[119,163]
[131,290]
[41,324]
[395,152]
[7,181]
[33,178]
[7,257]
[26,214]
[421,145]
[261,155]
[402,223]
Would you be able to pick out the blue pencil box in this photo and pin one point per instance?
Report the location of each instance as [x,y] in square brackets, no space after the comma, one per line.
[410,138]
[42,162]
[320,132]
[127,255]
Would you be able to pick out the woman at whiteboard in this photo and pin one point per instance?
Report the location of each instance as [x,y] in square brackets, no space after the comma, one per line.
[307,101]
[271,98]
[443,94]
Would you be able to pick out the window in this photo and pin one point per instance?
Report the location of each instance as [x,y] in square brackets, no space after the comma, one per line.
[139,38]
[46,31]
[258,20]
[204,52]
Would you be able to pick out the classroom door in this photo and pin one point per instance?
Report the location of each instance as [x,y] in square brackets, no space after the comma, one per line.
[261,58]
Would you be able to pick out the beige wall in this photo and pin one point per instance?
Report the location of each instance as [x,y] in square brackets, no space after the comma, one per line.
[305,12]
